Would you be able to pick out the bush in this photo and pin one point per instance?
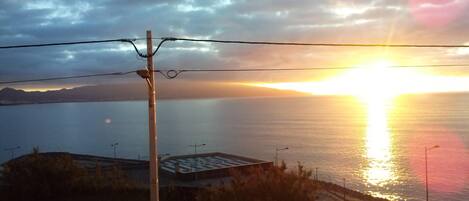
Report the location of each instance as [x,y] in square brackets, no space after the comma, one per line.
[265,185]
[42,177]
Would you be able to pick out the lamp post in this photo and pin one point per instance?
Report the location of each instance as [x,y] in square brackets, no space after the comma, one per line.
[196,162]
[276,153]
[114,145]
[316,174]
[12,150]
[426,169]
[195,147]
[344,189]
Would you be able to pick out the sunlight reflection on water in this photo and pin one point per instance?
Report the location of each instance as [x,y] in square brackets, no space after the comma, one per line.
[380,170]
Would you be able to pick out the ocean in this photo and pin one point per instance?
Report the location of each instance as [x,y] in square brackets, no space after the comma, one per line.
[376,146]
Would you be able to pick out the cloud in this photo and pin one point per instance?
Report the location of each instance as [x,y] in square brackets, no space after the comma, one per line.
[42,21]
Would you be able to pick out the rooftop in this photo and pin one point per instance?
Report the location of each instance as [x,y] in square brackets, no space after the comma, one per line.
[90,161]
[206,162]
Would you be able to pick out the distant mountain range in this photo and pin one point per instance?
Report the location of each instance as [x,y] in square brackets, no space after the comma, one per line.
[118,92]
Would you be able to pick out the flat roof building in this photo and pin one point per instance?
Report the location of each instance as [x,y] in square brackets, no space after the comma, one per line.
[208,165]
[194,170]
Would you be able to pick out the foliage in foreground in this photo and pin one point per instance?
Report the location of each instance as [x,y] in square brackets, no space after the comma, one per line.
[42,177]
[265,185]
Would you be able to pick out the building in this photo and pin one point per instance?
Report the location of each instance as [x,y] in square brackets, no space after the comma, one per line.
[194,171]
[206,169]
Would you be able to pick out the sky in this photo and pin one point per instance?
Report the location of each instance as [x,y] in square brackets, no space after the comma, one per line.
[328,21]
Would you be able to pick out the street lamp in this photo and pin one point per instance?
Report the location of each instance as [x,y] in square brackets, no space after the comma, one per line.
[344,189]
[426,168]
[196,161]
[195,147]
[114,145]
[12,150]
[276,153]
[316,174]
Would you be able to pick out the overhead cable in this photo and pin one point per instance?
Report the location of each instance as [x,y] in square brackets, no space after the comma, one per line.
[67,77]
[67,43]
[174,72]
[315,44]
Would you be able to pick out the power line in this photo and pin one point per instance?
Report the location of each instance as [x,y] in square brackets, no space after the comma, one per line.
[173,73]
[123,40]
[154,52]
[319,68]
[69,43]
[68,77]
[240,42]
[314,44]
[164,39]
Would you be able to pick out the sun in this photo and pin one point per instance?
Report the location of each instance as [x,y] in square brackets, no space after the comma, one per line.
[373,80]
[377,80]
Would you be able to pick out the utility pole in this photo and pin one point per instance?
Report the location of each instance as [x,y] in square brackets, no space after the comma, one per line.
[148,74]
[154,191]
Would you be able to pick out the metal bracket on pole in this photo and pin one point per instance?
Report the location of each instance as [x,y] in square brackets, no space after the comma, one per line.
[145,75]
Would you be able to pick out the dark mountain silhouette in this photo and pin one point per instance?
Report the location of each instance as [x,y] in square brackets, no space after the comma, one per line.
[138,91]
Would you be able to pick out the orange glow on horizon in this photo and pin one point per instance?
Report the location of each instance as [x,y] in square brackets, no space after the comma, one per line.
[45,89]
[376,80]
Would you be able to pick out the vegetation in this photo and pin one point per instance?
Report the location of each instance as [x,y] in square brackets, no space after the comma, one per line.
[42,177]
[338,191]
[271,185]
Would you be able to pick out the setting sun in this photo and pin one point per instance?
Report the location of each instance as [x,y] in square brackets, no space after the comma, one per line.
[377,80]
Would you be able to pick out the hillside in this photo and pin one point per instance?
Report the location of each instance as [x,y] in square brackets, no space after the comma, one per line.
[117,92]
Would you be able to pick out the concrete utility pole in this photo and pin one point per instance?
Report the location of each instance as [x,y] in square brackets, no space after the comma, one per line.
[154,191]
[149,75]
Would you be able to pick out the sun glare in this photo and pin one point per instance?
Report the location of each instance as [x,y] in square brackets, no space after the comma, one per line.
[368,82]
[376,84]
[377,80]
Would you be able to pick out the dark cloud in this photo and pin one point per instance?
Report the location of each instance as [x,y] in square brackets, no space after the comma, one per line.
[274,20]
